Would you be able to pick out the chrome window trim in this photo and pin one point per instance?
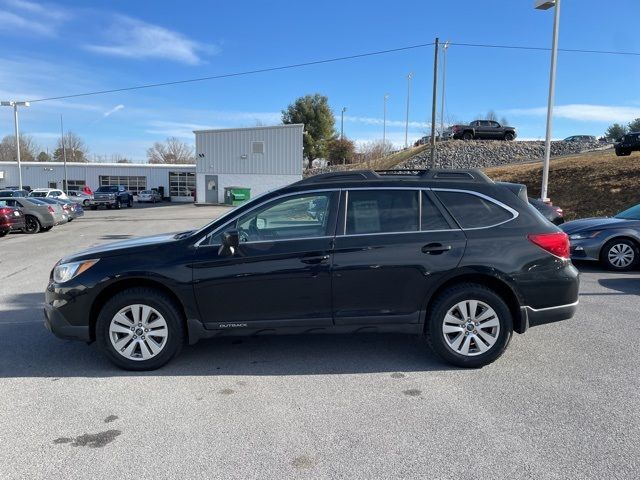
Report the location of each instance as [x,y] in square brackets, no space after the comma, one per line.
[515,214]
[199,244]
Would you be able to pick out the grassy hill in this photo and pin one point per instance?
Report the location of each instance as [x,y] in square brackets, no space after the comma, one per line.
[584,185]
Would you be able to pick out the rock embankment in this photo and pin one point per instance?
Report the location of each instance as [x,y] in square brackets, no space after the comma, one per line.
[487,153]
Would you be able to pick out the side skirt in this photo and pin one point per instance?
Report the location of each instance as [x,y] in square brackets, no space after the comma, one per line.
[197,331]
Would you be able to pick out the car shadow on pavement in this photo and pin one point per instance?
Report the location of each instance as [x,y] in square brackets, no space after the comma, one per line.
[622,285]
[27,349]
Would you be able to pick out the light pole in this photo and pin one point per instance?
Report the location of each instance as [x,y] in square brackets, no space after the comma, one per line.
[545,5]
[344,109]
[64,156]
[406,126]
[15,106]
[444,76]
[384,121]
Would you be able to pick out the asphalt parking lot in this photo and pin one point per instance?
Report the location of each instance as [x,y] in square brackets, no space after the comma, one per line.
[561,403]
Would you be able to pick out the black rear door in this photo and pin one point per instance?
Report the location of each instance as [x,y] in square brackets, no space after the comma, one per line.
[391,244]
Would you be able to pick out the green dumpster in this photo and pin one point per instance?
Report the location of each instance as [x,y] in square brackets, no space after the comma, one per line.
[236,195]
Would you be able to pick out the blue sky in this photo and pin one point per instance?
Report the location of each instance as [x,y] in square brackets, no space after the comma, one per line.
[68,47]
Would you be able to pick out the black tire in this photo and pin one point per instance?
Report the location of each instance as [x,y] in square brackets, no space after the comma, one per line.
[608,254]
[158,301]
[467,136]
[509,136]
[130,203]
[45,229]
[3,233]
[117,205]
[32,224]
[85,203]
[448,300]
[94,207]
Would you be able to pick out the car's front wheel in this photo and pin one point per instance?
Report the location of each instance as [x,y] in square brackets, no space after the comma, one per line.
[140,329]
[467,136]
[509,136]
[620,254]
[469,325]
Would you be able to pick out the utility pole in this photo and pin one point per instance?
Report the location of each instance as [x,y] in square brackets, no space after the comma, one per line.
[384,121]
[344,109]
[444,77]
[433,103]
[64,156]
[406,127]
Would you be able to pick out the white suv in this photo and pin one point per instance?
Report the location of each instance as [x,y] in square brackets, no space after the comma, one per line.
[48,192]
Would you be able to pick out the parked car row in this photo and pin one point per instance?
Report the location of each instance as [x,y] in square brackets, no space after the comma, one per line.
[33,214]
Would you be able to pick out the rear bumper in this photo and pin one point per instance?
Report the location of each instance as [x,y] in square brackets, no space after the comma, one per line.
[542,316]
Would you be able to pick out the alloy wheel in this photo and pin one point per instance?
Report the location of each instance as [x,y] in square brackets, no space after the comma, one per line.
[138,332]
[621,255]
[471,327]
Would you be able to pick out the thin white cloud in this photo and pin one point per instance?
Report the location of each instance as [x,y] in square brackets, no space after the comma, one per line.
[20,17]
[131,38]
[115,109]
[380,121]
[176,129]
[583,112]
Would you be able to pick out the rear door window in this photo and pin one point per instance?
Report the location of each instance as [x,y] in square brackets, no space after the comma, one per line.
[473,211]
[382,211]
[432,219]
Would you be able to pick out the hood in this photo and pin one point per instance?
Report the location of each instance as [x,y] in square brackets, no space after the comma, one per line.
[121,247]
[594,224]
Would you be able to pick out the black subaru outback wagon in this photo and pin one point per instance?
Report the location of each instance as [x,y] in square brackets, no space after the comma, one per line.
[450,255]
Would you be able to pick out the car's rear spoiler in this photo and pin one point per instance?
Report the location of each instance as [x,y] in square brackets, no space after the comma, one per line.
[518,189]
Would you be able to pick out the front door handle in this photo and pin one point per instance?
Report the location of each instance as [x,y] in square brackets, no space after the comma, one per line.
[314,259]
[435,248]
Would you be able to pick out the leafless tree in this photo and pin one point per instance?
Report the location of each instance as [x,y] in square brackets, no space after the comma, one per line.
[369,151]
[28,149]
[172,151]
[75,149]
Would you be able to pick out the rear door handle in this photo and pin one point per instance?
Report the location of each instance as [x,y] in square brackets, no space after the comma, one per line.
[314,259]
[435,248]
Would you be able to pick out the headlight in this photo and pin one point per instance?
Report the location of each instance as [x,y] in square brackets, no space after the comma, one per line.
[583,235]
[66,271]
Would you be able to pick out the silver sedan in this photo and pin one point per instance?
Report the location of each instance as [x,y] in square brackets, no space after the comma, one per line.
[613,241]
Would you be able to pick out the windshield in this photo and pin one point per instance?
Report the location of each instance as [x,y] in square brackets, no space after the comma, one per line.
[632,213]
[113,188]
[38,194]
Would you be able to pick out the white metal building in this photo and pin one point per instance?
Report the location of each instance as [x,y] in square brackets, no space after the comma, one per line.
[177,181]
[259,158]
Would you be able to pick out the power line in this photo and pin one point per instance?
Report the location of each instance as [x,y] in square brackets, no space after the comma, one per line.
[571,50]
[236,74]
[320,62]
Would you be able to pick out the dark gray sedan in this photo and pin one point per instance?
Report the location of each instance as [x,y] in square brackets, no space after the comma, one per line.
[613,241]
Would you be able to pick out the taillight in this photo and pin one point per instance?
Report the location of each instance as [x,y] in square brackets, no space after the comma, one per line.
[5,211]
[51,210]
[556,243]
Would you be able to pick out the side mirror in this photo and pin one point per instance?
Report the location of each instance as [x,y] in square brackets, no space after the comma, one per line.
[230,243]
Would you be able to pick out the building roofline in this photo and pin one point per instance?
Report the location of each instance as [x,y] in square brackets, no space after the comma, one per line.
[97,164]
[216,130]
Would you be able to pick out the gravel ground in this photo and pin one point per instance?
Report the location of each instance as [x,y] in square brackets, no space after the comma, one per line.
[561,403]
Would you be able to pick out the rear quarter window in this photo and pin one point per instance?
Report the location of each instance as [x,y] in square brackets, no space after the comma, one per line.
[473,211]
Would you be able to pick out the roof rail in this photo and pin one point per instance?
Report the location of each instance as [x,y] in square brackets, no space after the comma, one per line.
[470,175]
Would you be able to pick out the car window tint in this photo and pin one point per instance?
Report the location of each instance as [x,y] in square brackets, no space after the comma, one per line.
[472,211]
[380,211]
[432,219]
[300,216]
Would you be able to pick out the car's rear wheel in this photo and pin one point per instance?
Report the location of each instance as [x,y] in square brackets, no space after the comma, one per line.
[45,229]
[620,254]
[509,136]
[622,153]
[31,224]
[85,203]
[130,203]
[467,136]
[3,233]
[140,329]
[469,325]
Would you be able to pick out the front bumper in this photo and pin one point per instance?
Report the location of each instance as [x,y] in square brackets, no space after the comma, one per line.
[102,201]
[587,249]
[55,322]
[542,316]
